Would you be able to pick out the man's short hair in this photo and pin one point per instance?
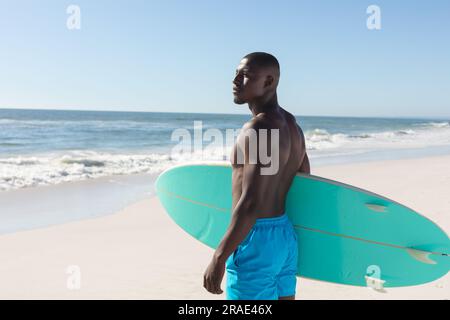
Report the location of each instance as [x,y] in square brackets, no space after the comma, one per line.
[263,59]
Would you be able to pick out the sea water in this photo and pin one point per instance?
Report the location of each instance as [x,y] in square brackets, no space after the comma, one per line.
[118,155]
[47,147]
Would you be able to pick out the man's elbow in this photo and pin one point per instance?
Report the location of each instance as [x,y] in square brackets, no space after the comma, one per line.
[305,167]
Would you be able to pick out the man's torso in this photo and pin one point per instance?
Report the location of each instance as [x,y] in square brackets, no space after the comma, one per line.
[291,154]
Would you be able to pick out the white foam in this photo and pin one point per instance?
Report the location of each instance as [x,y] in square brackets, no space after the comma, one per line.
[439,124]
[443,124]
[433,134]
[22,171]
[46,169]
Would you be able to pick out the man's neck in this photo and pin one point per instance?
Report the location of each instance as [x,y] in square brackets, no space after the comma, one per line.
[264,105]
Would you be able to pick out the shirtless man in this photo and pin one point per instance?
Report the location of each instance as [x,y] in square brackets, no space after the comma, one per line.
[259,250]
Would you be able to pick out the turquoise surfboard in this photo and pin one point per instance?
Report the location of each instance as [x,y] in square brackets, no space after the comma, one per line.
[345,234]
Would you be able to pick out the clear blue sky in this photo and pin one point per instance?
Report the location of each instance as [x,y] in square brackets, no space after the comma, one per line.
[180,56]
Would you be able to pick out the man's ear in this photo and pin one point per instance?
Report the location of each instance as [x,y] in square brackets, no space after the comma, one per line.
[269,81]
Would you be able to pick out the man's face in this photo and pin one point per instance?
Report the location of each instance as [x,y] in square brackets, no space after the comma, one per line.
[248,84]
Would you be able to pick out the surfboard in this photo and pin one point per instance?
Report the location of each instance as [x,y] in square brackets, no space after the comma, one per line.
[346,235]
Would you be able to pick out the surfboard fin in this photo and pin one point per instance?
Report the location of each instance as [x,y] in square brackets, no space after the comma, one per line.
[376,207]
[375,284]
[421,256]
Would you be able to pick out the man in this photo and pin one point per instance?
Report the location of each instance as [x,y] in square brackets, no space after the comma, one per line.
[259,249]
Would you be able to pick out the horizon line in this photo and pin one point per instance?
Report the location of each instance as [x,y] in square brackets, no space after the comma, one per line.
[221,113]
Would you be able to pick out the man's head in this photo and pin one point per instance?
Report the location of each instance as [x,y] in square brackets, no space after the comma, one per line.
[257,76]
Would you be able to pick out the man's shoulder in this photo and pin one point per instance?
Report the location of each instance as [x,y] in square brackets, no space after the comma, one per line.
[259,122]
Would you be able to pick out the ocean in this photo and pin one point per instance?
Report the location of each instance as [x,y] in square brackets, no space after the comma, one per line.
[47,147]
[62,166]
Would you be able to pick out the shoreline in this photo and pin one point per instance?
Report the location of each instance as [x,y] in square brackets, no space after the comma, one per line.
[70,201]
[140,253]
[113,193]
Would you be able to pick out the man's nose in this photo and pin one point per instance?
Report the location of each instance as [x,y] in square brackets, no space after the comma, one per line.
[236,80]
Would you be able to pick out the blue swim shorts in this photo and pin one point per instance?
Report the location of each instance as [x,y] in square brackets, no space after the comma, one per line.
[264,265]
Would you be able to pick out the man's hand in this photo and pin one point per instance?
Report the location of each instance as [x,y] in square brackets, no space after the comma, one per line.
[213,276]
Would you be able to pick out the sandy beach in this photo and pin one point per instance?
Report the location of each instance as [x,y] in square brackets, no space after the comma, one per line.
[140,253]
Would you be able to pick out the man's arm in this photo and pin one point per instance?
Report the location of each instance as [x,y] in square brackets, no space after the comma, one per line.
[254,187]
[304,167]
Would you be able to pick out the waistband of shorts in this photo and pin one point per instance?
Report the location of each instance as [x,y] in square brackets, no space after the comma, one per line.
[272,221]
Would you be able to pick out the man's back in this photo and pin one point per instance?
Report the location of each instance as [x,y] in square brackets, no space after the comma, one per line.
[291,155]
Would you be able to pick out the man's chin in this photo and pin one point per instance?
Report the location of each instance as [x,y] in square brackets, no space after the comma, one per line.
[238,101]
